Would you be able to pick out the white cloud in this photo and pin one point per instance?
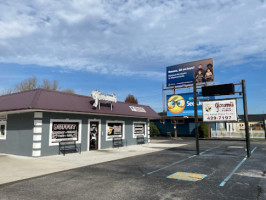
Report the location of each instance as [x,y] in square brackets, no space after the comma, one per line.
[131,37]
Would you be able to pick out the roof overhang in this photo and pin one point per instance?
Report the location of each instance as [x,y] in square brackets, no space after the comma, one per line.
[82,113]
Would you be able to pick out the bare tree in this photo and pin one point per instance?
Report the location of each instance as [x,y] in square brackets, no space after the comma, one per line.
[131,99]
[32,83]
[69,91]
[46,84]
[28,84]
[7,91]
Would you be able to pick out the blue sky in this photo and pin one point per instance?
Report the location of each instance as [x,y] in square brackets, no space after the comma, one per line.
[123,47]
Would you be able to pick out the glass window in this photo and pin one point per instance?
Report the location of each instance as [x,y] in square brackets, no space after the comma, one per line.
[2,130]
[115,129]
[139,129]
[62,129]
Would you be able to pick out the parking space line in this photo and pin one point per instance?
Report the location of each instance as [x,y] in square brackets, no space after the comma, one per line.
[209,149]
[236,168]
[171,165]
[180,161]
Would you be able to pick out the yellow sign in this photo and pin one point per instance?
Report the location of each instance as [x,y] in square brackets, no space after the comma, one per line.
[176,104]
[187,176]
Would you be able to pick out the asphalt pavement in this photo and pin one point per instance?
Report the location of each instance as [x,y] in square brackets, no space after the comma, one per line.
[221,171]
[15,168]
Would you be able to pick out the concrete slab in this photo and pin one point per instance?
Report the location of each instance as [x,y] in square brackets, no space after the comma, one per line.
[15,168]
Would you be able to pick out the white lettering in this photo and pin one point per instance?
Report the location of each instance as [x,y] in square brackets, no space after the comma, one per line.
[97,95]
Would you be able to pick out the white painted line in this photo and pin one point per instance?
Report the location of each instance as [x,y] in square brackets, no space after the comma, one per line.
[180,161]
[170,165]
[236,168]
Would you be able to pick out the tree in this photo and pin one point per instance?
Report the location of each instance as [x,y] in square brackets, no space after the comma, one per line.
[203,130]
[131,99]
[154,130]
[33,83]
[69,91]
[28,84]
[46,84]
[7,91]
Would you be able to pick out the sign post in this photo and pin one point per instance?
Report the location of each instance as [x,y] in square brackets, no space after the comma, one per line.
[264,128]
[246,117]
[225,109]
[196,116]
[175,128]
[183,76]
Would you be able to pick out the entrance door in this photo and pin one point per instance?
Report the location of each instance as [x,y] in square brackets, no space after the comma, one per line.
[94,131]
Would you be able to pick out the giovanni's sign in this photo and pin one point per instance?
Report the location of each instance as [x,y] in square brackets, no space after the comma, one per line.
[97,95]
[220,110]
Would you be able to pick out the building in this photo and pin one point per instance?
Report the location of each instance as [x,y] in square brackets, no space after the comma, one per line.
[33,122]
[255,122]
[186,127]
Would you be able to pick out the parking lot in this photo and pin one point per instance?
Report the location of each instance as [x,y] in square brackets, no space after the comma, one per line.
[222,171]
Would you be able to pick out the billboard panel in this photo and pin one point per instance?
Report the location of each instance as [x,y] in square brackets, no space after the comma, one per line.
[220,110]
[183,104]
[184,74]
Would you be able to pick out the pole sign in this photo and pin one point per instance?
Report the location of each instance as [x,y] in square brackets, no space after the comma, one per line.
[184,74]
[183,104]
[219,111]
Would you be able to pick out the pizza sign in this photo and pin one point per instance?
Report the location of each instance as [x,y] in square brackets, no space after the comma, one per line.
[220,110]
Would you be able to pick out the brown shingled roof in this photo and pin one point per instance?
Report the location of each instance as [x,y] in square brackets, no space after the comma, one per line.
[49,100]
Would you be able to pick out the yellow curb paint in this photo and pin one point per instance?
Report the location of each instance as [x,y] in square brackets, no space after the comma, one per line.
[235,147]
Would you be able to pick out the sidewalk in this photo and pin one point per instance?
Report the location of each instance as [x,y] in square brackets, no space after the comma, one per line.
[15,168]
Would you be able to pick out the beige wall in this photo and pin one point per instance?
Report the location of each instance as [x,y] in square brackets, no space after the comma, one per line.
[253,125]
